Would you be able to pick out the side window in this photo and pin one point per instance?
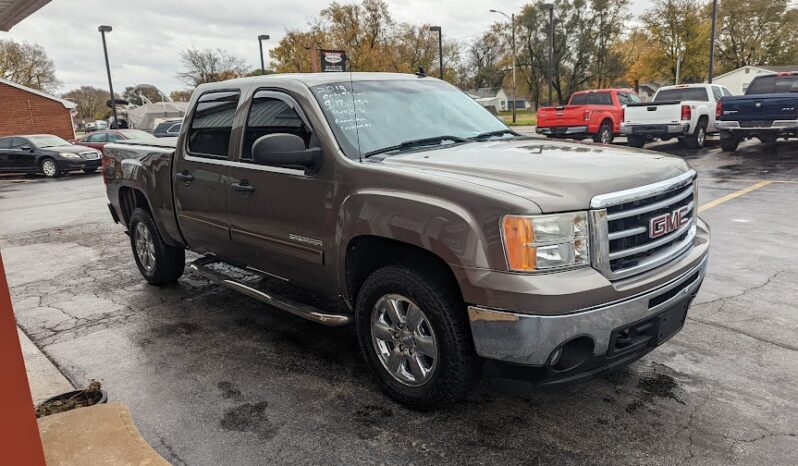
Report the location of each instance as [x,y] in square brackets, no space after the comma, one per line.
[212,123]
[634,98]
[99,137]
[5,143]
[113,137]
[174,129]
[623,98]
[272,113]
[19,142]
[716,92]
[725,92]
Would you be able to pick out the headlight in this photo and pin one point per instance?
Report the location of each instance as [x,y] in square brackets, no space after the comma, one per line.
[69,155]
[543,242]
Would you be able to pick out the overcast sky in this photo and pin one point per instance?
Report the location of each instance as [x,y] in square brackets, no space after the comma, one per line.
[148,35]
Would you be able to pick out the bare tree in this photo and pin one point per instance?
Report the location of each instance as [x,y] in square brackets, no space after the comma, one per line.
[27,64]
[91,102]
[205,66]
[181,95]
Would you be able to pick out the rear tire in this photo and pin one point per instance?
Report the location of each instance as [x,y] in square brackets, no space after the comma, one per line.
[636,141]
[699,136]
[49,168]
[604,135]
[158,262]
[390,347]
[768,139]
[729,142]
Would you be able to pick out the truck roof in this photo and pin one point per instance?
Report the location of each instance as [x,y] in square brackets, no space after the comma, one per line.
[313,79]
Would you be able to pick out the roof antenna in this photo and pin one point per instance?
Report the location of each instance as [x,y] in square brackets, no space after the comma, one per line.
[421,73]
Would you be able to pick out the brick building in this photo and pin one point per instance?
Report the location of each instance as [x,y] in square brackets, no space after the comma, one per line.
[27,111]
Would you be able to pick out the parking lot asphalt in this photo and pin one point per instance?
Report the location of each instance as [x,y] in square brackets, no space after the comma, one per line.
[214,377]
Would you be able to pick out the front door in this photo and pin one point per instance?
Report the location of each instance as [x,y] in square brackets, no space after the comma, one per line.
[201,173]
[281,219]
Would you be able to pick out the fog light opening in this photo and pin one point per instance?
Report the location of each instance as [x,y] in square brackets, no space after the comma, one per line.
[571,354]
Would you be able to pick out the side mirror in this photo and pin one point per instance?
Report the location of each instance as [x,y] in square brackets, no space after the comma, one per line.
[284,150]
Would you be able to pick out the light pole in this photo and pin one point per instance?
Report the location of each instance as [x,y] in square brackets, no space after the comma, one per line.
[261,38]
[440,48]
[550,7]
[512,45]
[103,30]
[712,42]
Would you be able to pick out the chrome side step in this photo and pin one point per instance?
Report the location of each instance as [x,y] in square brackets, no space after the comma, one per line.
[305,311]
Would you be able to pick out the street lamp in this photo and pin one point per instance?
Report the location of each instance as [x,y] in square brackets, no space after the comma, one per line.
[712,42]
[512,45]
[261,38]
[440,48]
[103,30]
[550,7]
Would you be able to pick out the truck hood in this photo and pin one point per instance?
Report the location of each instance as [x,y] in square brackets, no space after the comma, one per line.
[557,176]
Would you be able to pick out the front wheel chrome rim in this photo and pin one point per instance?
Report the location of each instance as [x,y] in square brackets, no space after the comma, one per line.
[145,247]
[48,167]
[404,340]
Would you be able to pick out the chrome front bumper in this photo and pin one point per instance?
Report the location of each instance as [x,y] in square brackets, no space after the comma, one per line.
[531,339]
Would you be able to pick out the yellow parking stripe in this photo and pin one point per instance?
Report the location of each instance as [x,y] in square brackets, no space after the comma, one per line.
[733,195]
[745,180]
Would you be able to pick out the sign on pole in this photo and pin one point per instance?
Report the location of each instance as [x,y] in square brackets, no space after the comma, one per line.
[333,60]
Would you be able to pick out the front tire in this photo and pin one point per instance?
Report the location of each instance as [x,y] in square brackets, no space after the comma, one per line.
[413,333]
[158,262]
[636,141]
[49,168]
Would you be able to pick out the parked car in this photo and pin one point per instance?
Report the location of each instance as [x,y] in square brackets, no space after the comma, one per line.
[167,129]
[398,204]
[597,114]
[98,139]
[47,154]
[767,111]
[685,111]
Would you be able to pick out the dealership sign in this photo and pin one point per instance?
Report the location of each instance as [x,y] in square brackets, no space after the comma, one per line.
[333,60]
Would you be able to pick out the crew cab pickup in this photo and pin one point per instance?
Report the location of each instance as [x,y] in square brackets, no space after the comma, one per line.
[395,203]
[596,114]
[767,111]
[684,111]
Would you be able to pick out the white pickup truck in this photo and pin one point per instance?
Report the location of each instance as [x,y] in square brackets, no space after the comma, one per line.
[685,111]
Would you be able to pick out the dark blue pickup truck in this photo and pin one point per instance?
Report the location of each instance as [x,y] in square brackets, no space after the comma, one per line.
[767,111]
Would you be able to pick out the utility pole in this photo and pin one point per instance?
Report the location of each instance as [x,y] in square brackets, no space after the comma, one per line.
[678,66]
[261,38]
[440,48]
[512,45]
[550,7]
[711,72]
[103,30]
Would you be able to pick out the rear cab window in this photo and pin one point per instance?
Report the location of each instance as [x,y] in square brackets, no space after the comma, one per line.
[592,98]
[775,84]
[682,93]
[212,124]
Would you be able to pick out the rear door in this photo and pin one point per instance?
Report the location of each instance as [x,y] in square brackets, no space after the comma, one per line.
[21,155]
[5,159]
[281,219]
[200,176]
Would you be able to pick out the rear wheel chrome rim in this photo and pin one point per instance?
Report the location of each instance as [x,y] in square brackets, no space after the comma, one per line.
[145,247]
[404,340]
[701,136]
[605,135]
[49,168]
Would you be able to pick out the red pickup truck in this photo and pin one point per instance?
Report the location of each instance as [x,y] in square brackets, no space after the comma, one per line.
[597,114]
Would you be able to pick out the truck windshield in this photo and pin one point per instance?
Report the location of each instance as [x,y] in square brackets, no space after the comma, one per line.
[385,113]
[682,93]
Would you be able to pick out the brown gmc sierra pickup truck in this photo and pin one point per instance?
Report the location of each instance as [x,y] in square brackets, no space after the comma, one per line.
[457,248]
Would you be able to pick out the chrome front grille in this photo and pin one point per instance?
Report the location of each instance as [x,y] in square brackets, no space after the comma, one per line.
[89,155]
[622,224]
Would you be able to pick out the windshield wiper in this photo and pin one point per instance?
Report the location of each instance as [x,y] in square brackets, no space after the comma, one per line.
[491,134]
[416,143]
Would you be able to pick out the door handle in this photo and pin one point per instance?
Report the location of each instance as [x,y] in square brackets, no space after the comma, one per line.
[185,176]
[243,187]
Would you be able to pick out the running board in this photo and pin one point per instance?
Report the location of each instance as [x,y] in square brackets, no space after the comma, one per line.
[298,309]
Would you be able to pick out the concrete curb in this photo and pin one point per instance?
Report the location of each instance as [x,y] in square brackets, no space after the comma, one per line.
[44,378]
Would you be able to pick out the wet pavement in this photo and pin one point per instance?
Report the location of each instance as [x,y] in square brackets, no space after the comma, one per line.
[213,377]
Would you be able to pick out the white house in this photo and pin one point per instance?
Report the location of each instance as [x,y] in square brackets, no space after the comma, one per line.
[737,81]
[497,100]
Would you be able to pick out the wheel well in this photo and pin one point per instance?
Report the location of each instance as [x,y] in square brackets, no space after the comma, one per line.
[129,200]
[366,254]
[607,120]
[703,118]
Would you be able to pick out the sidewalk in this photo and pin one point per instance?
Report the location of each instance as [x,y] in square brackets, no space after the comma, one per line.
[44,378]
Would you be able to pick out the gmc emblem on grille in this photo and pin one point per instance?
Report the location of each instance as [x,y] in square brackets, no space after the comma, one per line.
[663,224]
